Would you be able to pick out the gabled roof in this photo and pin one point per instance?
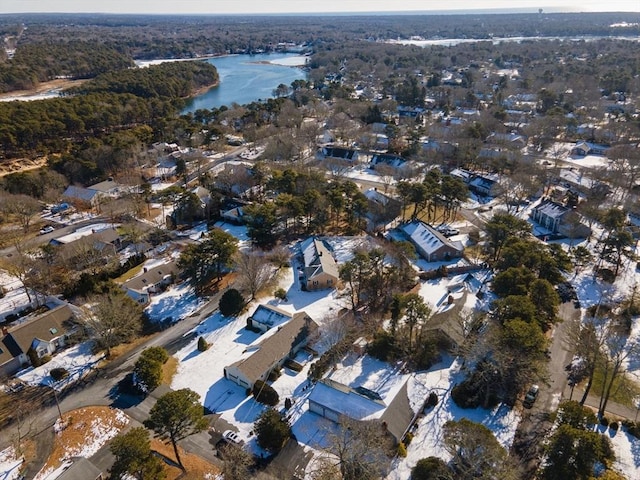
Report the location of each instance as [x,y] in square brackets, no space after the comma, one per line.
[107,186]
[551,209]
[152,276]
[46,327]
[81,469]
[318,258]
[80,193]
[277,346]
[427,237]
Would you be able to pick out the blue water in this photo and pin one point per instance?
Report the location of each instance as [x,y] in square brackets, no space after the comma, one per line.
[243,80]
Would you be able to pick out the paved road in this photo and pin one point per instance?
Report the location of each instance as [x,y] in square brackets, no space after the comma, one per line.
[103,391]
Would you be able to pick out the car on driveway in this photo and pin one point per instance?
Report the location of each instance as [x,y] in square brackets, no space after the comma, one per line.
[231,437]
[47,229]
[531,396]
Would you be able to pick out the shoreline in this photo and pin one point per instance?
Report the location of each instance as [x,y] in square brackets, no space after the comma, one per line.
[41,91]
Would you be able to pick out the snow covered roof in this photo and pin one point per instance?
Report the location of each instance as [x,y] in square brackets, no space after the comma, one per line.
[81,193]
[84,232]
[269,315]
[317,258]
[426,237]
[551,209]
[151,276]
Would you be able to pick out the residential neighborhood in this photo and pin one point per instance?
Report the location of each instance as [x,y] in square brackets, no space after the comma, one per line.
[417,258]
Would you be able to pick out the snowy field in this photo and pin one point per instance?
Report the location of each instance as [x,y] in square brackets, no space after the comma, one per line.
[176,303]
[15,297]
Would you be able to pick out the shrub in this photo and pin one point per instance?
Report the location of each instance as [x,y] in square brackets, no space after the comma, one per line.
[604,421]
[293,365]
[280,293]
[157,354]
[59,373]
[45,359]
[402,450]
[408,438]
[264,393]
[287,403]
[274,374]
[613,425]
[202,344]
[432,400]
[272,430]
[231,303]
[147,374]
[430,468]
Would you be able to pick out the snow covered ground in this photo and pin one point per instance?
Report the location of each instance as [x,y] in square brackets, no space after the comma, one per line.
[78,360]
[174,304]
[10,464]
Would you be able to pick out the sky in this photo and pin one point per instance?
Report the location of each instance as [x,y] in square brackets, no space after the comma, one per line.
[307,6]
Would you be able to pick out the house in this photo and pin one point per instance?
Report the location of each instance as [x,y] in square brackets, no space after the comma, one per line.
[81,469]
[151,280]
[45,334]
[486,185]
[393,161]
[88,246]
[339,153]
[334,401]
[583,149]
[266,317]
[559,219]
[94,194]
[233,215]
[272,352]
[509,140]
[320,268]
[431,244]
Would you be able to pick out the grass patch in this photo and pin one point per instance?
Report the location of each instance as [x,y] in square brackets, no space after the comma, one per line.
[169,369]
[129,274]
[127,347]
[624,390]
[197,467]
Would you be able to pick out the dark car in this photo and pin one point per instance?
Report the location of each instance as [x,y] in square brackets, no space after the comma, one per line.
[531,396]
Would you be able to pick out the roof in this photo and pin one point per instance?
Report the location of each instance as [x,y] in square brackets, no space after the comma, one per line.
[46,327]
[152,276]
[427,237]
[338,152]
[81,193]
[105,187]
[551,209]
[80,469]
[277,346]
[363,404]
[318,258]
[269,315]
[101,231]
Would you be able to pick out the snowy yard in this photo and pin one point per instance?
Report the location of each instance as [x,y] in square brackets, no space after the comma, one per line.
[78,360]
[174,304]
[10,464]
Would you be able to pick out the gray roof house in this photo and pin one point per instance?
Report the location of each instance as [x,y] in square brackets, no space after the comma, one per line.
[320,268]
[265,317]
[391,408]
[45,334]
[559,219]
[431,244]
[81,469]
[273,351]
[151,280]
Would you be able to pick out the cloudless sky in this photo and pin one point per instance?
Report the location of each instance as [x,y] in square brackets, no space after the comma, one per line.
[309,6]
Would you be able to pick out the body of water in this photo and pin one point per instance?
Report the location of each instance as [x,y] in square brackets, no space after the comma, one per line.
[247,78]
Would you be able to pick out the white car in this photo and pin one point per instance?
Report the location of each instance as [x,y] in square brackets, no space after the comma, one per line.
[47,229]
[231,437]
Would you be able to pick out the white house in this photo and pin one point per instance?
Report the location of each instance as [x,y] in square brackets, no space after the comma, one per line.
[320,268]
[150,280]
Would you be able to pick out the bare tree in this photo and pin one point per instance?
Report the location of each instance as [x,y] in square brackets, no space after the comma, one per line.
[237,463]
[254,271]
[22,207]
[111,319]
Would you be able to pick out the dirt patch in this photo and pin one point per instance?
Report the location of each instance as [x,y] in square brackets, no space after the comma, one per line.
[60,83]
[18,165]
[169,369]
[197,468]
[83,432]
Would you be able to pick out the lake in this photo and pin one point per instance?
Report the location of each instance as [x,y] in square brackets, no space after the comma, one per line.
[247,78]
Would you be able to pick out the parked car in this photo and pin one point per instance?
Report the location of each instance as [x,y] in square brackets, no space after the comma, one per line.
[447,231]
[47,229]
[531,396]
[231,437]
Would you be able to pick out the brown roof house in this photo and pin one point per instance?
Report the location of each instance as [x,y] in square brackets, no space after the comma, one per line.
[272,351]
[320,268]
[151,280]
[45,334]
[88,248]
[391,407]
